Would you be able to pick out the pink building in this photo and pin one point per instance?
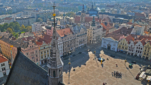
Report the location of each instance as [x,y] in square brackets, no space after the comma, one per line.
[31,50]
[49,30]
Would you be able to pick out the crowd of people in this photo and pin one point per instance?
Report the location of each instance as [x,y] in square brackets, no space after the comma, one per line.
[117,74]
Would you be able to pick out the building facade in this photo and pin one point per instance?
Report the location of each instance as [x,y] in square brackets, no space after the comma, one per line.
[94,33]
[4,66]
[68,40]
[147,51]
[109,43]
[32,51]
[27,21]
[81,34]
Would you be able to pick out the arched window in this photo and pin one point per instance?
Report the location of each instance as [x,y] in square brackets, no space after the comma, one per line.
[54,74]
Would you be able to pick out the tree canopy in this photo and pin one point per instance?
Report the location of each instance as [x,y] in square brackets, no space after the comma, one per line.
[14,28]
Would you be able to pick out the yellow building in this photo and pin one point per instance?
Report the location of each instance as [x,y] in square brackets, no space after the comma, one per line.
[5,45]
[147,51]
[123,45]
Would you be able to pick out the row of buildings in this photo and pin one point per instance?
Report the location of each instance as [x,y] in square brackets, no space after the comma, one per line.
[126,41]
[36,45]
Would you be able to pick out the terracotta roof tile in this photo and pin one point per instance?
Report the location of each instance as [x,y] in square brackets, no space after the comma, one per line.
[146,32]
[8,18]
[2,58]
[129,37]
[63,32]
[114,36]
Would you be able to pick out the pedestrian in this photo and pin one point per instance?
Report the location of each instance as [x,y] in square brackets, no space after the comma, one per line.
[112,73]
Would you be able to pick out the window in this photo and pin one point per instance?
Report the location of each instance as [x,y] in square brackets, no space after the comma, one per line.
[3,69]
[3,64]
[60,72]
[36,55]
[36,51]
[26,53]
[41,52]
[54,74]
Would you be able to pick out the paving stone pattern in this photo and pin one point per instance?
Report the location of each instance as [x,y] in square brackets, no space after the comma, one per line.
[93,73]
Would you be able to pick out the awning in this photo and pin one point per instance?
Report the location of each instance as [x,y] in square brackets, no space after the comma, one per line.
[149,78]
[142,75]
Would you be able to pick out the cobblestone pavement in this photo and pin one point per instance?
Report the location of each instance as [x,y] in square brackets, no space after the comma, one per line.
[93,73]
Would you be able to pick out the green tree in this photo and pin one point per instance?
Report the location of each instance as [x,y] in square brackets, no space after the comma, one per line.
[9,30]
[39,20]
[70,14]
[1,28]
[5,26]
[28,28]
[16,35]
[22,28]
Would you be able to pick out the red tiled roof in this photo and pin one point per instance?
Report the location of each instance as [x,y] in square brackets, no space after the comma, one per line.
[2,58]
[89,19]
[8,18]
[129,37]
[123,31]
[143,41]
[114,36]
[63,32]
[46,38]
[109,26]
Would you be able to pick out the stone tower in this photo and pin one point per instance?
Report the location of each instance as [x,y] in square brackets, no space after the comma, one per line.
[83,15]
[55,64]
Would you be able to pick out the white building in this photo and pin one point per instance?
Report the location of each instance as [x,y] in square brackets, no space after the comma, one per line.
[138,30]
[109,43]
[4,66]
[38,27]
[138,49]
[25,20]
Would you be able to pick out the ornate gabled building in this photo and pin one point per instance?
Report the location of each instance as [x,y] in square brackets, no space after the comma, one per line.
[94,33]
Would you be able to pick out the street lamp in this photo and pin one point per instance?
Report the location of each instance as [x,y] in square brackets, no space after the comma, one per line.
[69,69]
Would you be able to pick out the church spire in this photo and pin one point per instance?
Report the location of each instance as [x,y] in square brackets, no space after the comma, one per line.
[92,5]
[55,64]
[93,22]
[83,9]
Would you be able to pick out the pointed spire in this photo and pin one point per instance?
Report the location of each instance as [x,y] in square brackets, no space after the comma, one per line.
[93,22]
[54,55]
[83,9]
[92,5]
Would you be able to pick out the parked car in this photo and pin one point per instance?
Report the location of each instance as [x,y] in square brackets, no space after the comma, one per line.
[134,62]
[99,59]
[80,52]
[137,77]
[73,55]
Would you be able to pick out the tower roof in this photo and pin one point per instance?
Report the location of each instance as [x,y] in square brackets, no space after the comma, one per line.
[55,60]
[83,9]
[93,22]
[26,72]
